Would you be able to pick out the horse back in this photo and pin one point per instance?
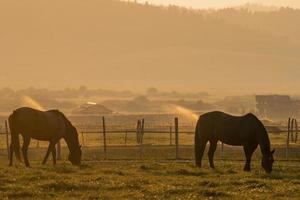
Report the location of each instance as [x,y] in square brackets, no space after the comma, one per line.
[232,130]
[38,124]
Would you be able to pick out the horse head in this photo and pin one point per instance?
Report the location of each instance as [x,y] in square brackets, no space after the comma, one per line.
[267,161]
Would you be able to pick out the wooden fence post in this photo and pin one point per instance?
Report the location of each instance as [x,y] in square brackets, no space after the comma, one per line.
[125,138]
[292,130]
[7,140]
[170,135]
[176,138]
[222,150]
[82,139]
[296,134]
[288,139]
[104,138]
[138,132]
[58,150]
[141,138]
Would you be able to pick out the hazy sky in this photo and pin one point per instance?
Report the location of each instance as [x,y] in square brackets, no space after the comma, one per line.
[58,44]
[224,3]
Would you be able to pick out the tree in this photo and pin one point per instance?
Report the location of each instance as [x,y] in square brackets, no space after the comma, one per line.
[152,91]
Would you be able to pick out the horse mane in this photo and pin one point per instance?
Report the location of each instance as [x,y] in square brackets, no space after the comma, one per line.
[261,125]
[62,115]
[264,133]
[72,134]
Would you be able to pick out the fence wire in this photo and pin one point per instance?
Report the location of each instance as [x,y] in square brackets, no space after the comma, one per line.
[158,143]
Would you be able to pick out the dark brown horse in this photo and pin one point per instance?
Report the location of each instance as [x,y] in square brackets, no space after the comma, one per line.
[246,131]
[49,126]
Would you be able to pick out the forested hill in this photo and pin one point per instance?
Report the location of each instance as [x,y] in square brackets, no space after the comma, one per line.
[106,43]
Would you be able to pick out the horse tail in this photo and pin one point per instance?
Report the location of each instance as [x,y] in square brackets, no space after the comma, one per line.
[198,158]
[203,130]
[15,142]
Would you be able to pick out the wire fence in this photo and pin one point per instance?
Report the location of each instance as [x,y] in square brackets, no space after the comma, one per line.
[142,141]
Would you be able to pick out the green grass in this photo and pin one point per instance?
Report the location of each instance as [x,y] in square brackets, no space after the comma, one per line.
[149,180]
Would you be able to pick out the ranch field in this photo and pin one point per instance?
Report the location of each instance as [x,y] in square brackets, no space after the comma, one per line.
[149,180]
[150,173]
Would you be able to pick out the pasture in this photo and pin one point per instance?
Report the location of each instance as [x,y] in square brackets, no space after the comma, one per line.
[149,180]
[154,172]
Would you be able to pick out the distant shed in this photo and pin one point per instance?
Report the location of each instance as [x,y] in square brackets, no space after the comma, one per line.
[92,109]
[277,106]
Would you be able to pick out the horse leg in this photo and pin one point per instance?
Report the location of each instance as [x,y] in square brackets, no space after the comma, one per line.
[26,142]
[54,156]
[211,152]
[50,149]
[249,149]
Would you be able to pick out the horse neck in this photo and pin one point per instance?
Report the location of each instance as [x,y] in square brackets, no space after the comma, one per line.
[71,141]
[263,139]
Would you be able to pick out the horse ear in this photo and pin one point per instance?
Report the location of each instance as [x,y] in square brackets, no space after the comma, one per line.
[80,146]
[272,152]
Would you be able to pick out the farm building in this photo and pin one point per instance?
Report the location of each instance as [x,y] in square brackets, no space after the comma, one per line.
[92,109]
[277,106]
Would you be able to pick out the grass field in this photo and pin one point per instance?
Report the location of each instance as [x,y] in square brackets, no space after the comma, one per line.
[149,180]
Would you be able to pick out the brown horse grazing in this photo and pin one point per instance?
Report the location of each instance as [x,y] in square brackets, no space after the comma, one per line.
[246,131]
[49,126]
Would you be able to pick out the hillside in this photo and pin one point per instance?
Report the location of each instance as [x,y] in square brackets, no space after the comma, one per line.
[112,44]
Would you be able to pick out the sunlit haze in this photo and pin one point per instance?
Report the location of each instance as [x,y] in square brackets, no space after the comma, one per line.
[127,46]
[149,99]
[222,3]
